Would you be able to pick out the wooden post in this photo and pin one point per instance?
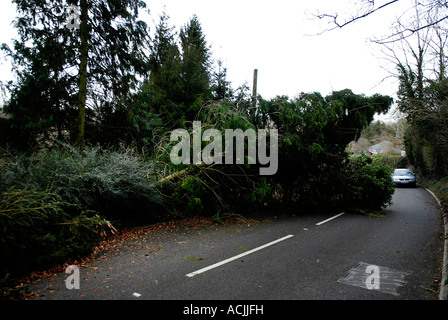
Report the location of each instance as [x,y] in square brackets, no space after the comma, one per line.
[254,93]
[254,90]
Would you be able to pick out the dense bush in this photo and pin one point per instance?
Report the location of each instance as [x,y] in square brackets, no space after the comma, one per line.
[114,183]
[366,183]
[38,229]
[53,202]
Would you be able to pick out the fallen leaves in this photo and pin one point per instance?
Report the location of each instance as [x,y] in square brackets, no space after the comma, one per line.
[139,237]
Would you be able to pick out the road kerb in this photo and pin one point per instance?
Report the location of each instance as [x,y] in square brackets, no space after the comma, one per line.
[444,281]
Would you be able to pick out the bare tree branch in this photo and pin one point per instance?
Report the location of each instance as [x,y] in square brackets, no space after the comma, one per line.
[407,32]
[436,9]
[339,25]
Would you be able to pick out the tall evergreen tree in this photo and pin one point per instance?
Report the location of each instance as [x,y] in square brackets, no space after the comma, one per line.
[180,72]
[196,65]
[162,44]
[221,88]
[61,69]
[164,84]
[44,93]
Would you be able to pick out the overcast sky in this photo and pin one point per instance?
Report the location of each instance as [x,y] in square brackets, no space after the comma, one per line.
[279,39]
[275,37]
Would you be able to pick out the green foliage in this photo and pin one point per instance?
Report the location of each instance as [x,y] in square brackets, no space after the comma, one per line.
[366,183]
[193,186]
[212,189]
[47,60]
[38,229]
[314,133]
[424,100]
[359,110]
[195,67]
[438,186]
[111,182]
[221,88]
[181,76]
[261,191]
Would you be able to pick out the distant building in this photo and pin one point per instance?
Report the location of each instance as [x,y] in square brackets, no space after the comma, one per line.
[384,148]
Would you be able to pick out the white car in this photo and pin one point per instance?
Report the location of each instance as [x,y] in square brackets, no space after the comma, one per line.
[404,177]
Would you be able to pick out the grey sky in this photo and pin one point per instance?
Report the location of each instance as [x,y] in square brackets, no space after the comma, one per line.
[277,38]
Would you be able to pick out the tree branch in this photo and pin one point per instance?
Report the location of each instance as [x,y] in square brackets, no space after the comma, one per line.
[338,25]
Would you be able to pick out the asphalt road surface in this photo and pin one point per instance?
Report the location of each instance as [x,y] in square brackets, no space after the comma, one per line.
[314,256]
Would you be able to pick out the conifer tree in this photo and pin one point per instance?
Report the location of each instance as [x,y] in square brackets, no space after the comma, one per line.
[195,68]
[61,68]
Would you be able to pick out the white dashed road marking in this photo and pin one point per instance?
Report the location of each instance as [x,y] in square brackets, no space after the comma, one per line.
[192,274]
[329,219]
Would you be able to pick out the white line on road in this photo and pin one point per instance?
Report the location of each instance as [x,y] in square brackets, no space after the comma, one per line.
[334,217]
[237,257]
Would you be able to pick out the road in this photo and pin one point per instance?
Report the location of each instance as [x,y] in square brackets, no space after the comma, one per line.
[303,257]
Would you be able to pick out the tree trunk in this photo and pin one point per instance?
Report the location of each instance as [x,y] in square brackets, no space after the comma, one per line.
[82,96]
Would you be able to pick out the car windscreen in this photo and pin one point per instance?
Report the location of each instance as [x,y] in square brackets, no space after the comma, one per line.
[402,172]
